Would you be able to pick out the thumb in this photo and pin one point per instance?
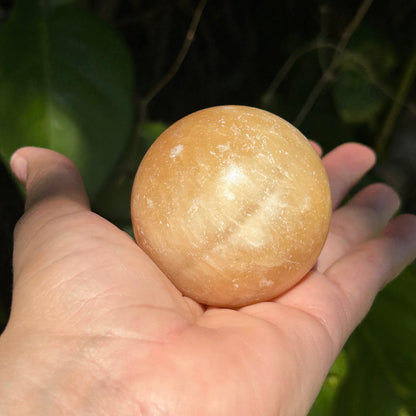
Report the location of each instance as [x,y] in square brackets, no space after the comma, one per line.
[48,175]
[54,190]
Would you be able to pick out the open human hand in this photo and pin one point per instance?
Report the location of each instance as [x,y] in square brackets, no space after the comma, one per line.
[97,329]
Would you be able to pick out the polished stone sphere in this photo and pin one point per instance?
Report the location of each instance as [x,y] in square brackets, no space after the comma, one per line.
[233,204]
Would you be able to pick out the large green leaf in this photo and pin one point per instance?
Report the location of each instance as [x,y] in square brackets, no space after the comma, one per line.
[359,89]
[381,377]
[65,83]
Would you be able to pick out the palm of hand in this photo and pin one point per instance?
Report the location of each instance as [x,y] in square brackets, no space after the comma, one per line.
[122,340]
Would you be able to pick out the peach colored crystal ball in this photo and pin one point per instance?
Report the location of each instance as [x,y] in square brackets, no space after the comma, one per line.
[233,205]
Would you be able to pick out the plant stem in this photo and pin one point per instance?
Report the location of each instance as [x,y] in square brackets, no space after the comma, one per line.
[126,167]
[288,65]
[144,102]
[328,74]
[409,75]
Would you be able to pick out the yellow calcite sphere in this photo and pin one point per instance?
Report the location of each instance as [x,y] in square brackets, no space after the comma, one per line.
[233,205]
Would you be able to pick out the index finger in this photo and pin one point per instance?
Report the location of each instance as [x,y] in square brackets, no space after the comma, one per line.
[345,166]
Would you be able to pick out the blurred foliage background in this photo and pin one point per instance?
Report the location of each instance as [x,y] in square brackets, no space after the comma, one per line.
[99,80]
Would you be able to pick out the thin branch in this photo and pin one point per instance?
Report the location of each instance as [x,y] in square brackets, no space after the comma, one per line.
[406,83]
[323,34]
[356,58]
[394,96]
[288,65]
[328,74]
[144,102]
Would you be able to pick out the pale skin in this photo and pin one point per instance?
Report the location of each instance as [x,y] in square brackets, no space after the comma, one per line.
[97,329]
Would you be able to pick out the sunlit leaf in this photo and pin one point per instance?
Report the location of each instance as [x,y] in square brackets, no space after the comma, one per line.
[323,405]
[65,83]
[381,377]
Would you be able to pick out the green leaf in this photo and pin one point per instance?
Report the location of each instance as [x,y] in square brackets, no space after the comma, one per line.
[113,202]
[357,99]
[324,402]
[373,49]
[149,132]
[364,70]
[381,377]
[66,83]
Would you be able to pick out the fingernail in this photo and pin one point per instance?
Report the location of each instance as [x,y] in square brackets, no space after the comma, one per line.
[18,165]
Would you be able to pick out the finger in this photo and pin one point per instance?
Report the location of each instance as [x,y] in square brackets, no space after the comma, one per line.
[317,147]
[54,189]
[345,166]
[340,299]
[364,216]
[362,273]
[47,175]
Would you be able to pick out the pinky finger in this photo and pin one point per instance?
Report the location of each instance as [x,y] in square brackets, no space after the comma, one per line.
[362,273]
